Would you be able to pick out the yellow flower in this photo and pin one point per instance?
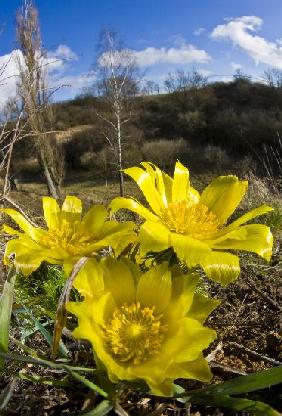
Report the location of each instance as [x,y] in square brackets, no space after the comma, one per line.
[68,237]
[144,326]
[193,224]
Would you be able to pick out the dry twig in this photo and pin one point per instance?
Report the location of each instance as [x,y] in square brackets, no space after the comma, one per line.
[255,354]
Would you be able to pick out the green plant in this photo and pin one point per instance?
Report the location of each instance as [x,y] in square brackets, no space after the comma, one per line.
[41,290]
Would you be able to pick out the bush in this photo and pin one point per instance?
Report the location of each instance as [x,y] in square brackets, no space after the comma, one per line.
[162,152]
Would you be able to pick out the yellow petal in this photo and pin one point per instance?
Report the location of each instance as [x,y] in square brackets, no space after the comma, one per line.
[72,204]
[197,369]
[118,235]
[154,236]
[163,181]
[188,249]
[160,387]
[233,231]
[257,239]
[193,196]
[9,230]
[132,205]
[181,183]
[147,186]
[90,330]
[94,219]
[102,310]
[201,307]
[51,211]
[89,281]
[71,209]
[185,345]
[28,254]
[23,223]
[190,341]
[154,288]
[119,281]
[183,289]
[223,196]
[115,370]
[153,372]
[151,169]
[112,234]
[168,183]
[221,267]
[157,177]
[81,310]
[263,209]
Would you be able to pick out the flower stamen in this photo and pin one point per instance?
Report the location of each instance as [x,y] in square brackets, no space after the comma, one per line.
[71,237]
[194,220]
[134,334]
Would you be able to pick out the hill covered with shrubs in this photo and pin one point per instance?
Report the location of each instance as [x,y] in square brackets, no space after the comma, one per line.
[217,126]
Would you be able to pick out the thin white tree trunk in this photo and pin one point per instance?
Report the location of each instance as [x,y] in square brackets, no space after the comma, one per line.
[120,164]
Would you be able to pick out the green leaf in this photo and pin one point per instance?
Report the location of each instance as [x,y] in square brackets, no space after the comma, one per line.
[88,383]
[241,384]
[6,394]
[71,370]
[102,409]
[250,406]
[46,334]
[35,378]
[218,395]
[249,383]
[44,363]
[6,305]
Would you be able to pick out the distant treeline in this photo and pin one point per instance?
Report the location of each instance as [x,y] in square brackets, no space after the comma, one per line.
[212,123]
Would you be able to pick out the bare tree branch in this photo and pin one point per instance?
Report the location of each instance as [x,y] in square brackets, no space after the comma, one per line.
[117,86]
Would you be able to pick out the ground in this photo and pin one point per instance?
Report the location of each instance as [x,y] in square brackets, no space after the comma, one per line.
[247,323]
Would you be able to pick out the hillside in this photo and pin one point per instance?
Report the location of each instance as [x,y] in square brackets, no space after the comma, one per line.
[218,127]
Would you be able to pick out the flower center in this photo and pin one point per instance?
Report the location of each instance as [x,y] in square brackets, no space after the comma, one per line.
[70,237]
[133,334]
[195,220]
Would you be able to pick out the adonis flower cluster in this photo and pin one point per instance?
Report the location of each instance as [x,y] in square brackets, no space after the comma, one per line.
[146,321]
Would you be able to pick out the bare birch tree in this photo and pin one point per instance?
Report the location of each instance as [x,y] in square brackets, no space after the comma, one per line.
[117,85]
[35,94]
[273,77]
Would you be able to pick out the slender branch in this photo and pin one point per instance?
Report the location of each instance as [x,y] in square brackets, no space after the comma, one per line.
[255,354]
[13,141]
[61,314]
[263,294]
[8,199]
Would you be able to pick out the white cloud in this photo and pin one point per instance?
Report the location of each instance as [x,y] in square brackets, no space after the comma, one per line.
[184,54]
[55,62]
[205,72]
[63,52]
[71,85]
[8,76]
[235,66]
[199,31]
[117,58]
[177,40]
[241,31]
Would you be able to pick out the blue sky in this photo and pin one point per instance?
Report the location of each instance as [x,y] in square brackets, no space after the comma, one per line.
[214,36]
